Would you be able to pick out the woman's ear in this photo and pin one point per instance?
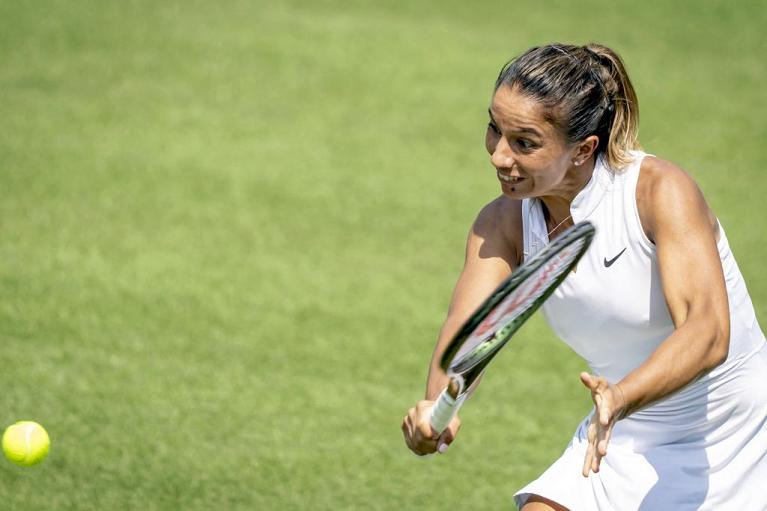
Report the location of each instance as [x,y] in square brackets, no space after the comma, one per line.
[585,149]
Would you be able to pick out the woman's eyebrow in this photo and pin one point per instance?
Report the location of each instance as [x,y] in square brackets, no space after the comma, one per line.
[530,131]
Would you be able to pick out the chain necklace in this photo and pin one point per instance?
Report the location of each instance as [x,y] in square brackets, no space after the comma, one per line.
[559,225]
[536,243]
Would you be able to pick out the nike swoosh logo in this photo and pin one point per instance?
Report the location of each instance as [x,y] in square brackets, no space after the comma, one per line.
[611,261]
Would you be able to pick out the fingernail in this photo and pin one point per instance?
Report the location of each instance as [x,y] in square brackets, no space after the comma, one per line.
[442,448]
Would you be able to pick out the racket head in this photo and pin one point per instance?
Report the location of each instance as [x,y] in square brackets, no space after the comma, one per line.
[516,299]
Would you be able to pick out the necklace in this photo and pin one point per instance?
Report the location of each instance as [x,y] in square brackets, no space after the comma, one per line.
[536,240]
[559,225]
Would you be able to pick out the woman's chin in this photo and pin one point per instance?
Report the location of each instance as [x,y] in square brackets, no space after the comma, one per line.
[515,190]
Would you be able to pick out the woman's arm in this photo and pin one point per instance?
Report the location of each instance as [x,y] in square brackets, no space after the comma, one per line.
[677,219]
[492,252]
[491,255]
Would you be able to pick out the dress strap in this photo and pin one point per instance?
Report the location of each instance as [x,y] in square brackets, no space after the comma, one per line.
[533,228]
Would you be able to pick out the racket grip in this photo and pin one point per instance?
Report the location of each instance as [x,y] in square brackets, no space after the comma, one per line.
[444,410]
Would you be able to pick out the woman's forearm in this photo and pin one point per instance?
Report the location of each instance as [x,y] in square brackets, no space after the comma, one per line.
[692,350]
[438,379]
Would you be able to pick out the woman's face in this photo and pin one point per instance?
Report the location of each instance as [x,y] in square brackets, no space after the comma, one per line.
[531,157]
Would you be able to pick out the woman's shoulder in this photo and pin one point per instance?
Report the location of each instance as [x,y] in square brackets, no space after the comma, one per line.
[663,189]
[655,169]
[661,180]
[499,225]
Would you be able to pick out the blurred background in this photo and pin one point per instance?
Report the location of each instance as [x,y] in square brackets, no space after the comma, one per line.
[229,232]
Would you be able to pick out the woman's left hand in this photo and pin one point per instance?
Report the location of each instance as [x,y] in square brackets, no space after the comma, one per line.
[609,405]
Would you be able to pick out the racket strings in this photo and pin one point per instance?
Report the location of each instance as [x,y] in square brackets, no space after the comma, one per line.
[493,331]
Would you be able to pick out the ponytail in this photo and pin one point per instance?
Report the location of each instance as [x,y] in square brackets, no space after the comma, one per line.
[624,128]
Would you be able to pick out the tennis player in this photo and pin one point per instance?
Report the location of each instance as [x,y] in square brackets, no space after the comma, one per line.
[657,306]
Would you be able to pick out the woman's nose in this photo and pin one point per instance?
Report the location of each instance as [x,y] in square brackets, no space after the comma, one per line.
[502,157]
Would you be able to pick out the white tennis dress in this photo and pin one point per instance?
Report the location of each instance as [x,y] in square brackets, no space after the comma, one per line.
[703,447]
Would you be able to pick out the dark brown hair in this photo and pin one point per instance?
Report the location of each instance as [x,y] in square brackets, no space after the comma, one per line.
[585,90]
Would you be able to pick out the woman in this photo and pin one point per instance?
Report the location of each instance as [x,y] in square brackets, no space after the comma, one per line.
[657,306]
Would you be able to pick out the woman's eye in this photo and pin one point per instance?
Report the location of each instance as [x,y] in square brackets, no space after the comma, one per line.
[525,144]
[491,125]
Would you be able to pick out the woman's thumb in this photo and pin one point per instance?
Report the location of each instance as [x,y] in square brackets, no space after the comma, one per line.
[447,436]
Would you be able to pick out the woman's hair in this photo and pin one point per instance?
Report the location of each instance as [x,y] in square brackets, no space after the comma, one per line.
[585,91]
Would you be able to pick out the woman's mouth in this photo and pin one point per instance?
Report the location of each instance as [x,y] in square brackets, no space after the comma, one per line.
[512,180]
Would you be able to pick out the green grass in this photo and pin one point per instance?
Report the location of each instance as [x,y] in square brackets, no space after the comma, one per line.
[229,231]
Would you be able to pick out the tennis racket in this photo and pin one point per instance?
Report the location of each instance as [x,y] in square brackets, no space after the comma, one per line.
[487,330]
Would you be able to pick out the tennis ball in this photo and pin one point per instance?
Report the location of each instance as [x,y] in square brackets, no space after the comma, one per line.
[26,443]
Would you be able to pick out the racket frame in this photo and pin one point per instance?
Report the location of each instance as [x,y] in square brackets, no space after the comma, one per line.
[464,371]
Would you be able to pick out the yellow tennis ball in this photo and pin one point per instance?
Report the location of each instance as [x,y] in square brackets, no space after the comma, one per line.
[26,443]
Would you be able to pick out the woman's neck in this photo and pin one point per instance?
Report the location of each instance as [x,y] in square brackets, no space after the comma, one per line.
[556,206]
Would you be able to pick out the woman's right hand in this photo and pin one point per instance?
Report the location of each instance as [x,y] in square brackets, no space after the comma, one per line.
[419,435]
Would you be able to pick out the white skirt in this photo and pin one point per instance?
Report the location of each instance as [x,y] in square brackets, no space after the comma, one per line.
[703,448]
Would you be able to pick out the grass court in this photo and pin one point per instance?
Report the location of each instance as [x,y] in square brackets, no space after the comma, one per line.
[229,232]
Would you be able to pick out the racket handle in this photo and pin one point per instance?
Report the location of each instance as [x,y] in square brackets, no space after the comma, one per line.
[444,410]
